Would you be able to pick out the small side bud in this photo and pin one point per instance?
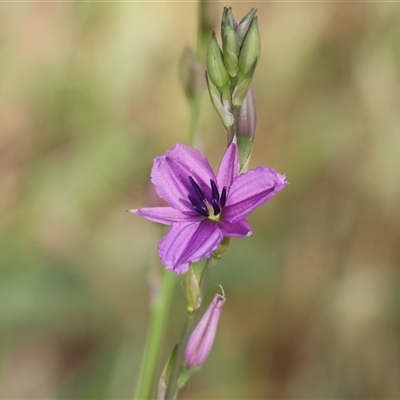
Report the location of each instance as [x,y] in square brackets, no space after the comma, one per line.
[230,47]
[250,50]
[215,64]
[244,25]
[191,73]
[202,338]
[192,288]
[222,248]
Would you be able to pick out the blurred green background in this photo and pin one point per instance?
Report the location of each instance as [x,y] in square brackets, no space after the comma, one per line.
[90,94]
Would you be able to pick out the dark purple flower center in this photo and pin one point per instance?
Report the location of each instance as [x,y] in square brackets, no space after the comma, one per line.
[209,208]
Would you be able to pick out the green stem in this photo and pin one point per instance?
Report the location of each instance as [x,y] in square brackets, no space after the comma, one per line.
[191,322]
[155,337]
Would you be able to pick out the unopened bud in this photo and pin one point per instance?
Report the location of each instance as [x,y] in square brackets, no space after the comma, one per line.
[221,248]
[215,64]
[230,47]
[247,116]
[246,126]
[191,73]
[244,25]
[242,86]
[192,287]
[221,103]
[227,19]
[202,338]
[250,50]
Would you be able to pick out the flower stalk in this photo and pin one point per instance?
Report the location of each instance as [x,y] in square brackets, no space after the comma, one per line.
[175,371]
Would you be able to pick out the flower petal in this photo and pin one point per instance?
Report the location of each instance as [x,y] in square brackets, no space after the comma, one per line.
[237,229]
[170,174]
[250,190]
[186,243]
[165,215]
[228,169]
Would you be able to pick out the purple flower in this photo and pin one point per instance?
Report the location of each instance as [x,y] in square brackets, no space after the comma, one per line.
[204,207]
[202,338]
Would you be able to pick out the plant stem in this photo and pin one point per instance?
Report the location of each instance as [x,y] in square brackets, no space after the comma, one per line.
[155,337]
[191,321]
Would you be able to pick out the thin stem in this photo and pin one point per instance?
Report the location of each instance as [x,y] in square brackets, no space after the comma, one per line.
[155,337]
[187,330]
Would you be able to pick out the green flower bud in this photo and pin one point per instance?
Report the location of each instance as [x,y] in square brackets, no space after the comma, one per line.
[227,19]
[221,103]
[222,248]
[215,64]
[244,25]
[192,287]
[250,50]
[230,47]
[242,86]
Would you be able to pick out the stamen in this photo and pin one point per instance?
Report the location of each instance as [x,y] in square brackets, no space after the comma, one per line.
[216,207]
[197,188]
[202,211]
[198,206]
[214,189]
[195,202]
[223,197]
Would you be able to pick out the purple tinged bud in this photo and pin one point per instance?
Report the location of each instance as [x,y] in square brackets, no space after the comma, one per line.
[202,338]
[215,64]
[246,126]
[247,116]
[250,50]
[191,73]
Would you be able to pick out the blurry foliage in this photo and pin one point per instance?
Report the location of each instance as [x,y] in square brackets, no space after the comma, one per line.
[90,94]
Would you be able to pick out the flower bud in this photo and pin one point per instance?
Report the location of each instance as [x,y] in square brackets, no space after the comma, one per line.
[221,248]
[192,287]
[227,19]
[221,103]
[247,116]
[246,126]
[202,338]
[244,25]
[191,73]
[230,47]
[250,50]
[242,86]
[215,64]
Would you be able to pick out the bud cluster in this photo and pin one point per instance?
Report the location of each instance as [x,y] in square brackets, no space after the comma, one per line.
[229,76]
[230,70]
